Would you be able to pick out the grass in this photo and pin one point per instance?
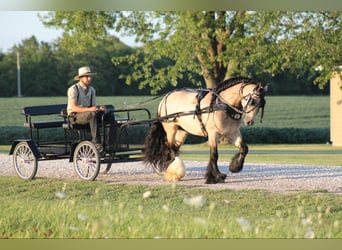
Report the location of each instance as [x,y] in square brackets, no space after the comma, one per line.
[309,154]
[11,116]
[47,208]
[296,112]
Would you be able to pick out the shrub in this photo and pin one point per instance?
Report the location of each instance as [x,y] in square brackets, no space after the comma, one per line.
[286,135]
[137,134]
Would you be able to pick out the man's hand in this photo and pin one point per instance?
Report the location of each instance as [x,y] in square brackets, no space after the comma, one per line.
[101,108]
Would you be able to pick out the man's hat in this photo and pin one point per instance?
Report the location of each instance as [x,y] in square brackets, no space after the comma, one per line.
[84,71]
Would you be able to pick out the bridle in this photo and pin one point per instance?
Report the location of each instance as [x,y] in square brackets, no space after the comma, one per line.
[237,112]
[259,92]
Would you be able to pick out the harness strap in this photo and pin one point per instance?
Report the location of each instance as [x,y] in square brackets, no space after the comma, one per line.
[198,111]
[231,111]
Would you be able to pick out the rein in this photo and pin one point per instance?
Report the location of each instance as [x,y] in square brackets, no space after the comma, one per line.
[140,104]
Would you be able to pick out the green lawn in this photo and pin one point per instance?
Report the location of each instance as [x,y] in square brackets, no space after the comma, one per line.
[47,208]
[310,154]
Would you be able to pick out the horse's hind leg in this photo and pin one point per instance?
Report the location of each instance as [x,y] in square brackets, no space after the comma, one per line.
[213,174]
[175,167]
[179,139]
[175,137]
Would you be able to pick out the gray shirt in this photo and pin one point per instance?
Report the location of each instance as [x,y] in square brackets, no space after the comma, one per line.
[85,97]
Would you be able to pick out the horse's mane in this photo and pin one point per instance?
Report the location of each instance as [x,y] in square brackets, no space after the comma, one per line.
[225,84]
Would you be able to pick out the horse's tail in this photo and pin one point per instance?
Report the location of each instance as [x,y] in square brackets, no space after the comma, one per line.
[156,151]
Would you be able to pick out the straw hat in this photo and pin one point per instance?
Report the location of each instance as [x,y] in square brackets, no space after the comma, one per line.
[84,71]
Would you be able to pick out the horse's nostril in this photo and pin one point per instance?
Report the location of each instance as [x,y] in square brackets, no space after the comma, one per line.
[250,123]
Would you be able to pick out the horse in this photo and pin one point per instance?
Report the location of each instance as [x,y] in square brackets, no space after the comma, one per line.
[211,113]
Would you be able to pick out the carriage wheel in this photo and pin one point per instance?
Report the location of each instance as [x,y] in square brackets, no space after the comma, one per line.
[87,160]
[24,161]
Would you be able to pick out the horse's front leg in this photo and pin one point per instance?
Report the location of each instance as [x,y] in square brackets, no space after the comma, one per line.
[237,161]
[213,174]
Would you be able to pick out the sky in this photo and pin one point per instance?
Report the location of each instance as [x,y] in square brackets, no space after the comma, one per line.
[16,26]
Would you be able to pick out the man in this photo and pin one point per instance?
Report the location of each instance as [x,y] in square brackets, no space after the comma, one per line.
[82,107]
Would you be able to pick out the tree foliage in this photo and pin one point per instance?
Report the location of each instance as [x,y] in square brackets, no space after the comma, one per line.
[186,48]
[213,44]
[49,69]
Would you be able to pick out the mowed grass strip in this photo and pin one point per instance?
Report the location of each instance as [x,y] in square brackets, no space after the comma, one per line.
[308,154]
[48,208]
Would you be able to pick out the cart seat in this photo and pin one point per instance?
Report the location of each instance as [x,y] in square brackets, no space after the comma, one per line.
[44,124]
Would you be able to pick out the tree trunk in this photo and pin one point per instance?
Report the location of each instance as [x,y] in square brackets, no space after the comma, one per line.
[233,69]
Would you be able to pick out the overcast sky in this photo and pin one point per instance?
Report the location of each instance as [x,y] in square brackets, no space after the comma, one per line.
[16,26]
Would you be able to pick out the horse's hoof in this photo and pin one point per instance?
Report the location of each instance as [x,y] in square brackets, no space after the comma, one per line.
[235,169]
[235,166]
[222,178]
[210,181]
[219,179]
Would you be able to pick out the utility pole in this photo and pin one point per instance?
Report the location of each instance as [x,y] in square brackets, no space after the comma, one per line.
[18,74]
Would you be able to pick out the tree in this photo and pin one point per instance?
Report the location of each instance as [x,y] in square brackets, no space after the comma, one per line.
[8,75]
[99,57]
[38,70]
[213,44]
[315,51]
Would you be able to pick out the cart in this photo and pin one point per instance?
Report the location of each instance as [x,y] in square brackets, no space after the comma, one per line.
[52,137]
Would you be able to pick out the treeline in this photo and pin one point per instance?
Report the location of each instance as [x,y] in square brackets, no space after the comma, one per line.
[48,70]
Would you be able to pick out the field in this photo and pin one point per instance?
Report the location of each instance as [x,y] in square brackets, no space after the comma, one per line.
[290,120]
[280,111]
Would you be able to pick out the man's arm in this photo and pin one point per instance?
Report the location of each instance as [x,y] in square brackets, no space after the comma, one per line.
[76,108]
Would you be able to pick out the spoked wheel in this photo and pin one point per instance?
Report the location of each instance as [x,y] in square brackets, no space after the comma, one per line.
[24,161]
[87,160]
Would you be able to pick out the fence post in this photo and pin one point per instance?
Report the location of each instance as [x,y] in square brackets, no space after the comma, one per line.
[336,109]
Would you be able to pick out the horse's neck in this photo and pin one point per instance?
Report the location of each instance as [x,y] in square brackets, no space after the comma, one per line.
[232,95]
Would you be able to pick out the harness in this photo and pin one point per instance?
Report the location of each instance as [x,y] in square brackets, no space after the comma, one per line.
[217,104]
[220,105]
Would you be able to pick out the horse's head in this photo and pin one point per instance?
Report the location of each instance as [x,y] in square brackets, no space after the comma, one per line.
[252,99]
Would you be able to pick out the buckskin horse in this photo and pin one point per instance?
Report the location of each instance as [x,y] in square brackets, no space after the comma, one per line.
[204,112]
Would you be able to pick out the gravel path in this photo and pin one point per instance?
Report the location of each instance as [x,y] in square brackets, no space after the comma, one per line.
[271,177]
